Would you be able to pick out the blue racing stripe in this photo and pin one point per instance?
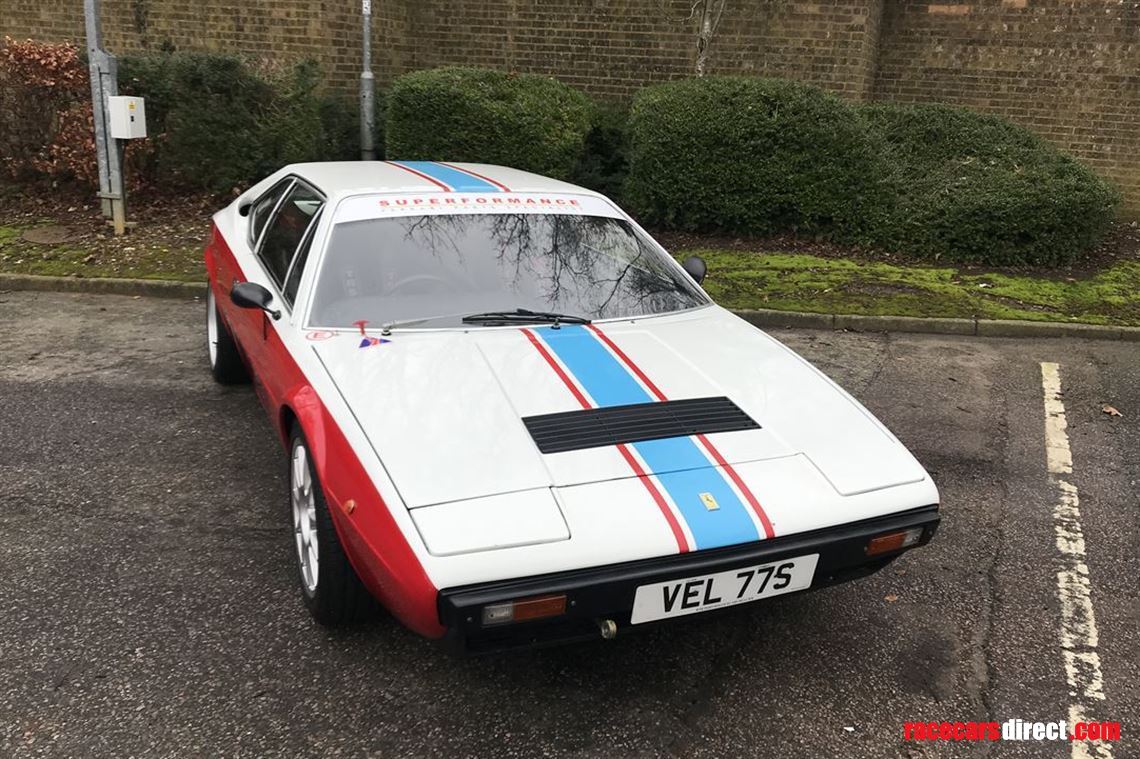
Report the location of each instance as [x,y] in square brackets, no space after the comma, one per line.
[677,462]
[453,178]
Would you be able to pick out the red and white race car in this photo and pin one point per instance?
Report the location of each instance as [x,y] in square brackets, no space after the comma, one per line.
[513,419]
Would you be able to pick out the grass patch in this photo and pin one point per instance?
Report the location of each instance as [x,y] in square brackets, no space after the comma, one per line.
[737,279]
[798,282]
[121,257]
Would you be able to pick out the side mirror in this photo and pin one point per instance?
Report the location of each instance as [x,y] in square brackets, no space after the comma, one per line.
[243,209]
[253,295]
[696,268]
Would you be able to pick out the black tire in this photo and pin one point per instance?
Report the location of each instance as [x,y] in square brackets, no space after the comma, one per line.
[334,595]
[225,361]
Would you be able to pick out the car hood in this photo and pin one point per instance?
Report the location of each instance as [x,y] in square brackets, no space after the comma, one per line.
[444,409]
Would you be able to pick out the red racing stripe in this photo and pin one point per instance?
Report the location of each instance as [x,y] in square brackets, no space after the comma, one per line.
[557,368]
[629,363]
[753,501]
[748,495]
[421,175]
[500,185]
[662,504]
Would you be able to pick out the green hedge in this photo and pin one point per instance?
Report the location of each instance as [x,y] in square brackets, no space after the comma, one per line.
[464,114]
[977,188]
[755,156]
[758,157]
[217,123]
[604,163]
[718,154]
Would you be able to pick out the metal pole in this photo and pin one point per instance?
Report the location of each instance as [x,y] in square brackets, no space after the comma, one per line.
[104,70]
[91,10]
[367,89]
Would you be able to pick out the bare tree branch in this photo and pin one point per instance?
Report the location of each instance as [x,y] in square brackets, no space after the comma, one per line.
[711,13]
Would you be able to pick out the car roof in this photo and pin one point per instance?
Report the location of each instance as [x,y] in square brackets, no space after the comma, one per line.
[339,178]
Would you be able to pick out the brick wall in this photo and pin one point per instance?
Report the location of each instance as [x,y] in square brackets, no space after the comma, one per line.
[830,44]
[1069,69]
[613,48]
[274,30]
[610,48]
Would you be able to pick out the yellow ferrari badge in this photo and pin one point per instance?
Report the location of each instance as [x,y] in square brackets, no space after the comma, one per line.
[709,502]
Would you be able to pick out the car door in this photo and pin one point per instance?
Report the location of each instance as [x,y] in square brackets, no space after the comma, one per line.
[282,250]
[245,325]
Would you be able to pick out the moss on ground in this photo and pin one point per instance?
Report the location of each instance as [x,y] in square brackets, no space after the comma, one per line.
[781,281]
[69,259]
[798,282]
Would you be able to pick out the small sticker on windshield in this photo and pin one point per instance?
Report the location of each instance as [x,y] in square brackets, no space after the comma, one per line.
[368,342]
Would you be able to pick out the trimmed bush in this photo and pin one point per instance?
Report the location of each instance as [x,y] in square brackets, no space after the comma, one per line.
[217,123]
[203,112]
[305,123]
[753,156]
[466,114]
[759,156]
[604,163]
[977,188]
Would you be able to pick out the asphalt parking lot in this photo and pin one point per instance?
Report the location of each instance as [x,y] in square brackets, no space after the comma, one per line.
[148,605]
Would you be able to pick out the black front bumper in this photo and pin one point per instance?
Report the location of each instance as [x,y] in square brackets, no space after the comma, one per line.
[606,593]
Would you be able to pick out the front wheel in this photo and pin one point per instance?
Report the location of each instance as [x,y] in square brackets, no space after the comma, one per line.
[330,588]
[225,360]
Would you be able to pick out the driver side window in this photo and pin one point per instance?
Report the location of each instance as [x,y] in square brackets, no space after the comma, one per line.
[293,281]
[285,233]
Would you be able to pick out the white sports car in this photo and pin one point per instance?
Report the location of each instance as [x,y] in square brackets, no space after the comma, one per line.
[513,419]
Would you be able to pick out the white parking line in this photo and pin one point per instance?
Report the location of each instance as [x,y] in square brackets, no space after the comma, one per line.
[1078,634]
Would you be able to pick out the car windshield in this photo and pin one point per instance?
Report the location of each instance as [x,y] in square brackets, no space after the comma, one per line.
[435,269]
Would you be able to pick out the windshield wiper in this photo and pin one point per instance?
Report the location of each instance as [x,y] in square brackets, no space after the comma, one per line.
[524,315]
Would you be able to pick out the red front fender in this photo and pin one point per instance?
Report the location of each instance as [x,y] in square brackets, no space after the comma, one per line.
[372,539]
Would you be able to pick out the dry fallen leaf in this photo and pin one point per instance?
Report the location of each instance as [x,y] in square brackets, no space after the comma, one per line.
[891,598]
[1111,411]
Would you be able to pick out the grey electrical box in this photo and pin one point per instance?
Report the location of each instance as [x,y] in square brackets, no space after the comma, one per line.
[127,116]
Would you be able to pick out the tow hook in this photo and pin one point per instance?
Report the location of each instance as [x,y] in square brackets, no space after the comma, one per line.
[608,628]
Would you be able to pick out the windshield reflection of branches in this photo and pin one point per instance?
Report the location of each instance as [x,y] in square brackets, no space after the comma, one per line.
[630,263]
[648,287]
[513,235]
[584,262]
[597,267]
[431,232]
[541,247]
[617,281]
[570,265]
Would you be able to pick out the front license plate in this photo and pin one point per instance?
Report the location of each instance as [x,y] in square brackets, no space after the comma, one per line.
[690,595]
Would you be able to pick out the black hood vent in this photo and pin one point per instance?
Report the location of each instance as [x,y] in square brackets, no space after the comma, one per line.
[594,428]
